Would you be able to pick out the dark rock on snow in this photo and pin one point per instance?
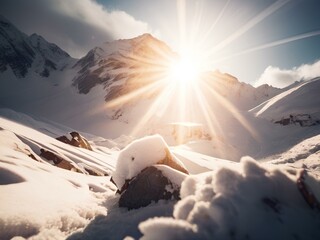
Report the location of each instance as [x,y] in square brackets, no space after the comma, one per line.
[77,140]
[148,186]
[58,161]
[303,120]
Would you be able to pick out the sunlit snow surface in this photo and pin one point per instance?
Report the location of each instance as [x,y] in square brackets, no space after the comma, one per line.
[221,200]
[253,202]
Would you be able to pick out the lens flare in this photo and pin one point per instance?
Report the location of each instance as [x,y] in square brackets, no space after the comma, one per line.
[184,71]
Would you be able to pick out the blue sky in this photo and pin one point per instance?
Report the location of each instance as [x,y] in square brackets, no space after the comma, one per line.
[241,37]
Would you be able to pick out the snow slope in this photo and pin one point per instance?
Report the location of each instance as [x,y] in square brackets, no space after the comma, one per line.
[43,201]
[252,202]
[40,199]
[220,198]
[303,155]
[301,99]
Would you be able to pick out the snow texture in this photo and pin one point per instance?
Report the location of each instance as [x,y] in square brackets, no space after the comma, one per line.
[175,176]
[223,200]
[253,202]
[41,200]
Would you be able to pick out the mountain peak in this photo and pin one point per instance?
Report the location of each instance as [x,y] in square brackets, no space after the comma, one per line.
[15,49]
[145,36]
[36,38]
[24,53]
[46,47]
[4,20]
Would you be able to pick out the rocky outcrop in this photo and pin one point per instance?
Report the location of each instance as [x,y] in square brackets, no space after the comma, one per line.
[123,66]
[58,161]
[303,120]
[75,139]
[148,186]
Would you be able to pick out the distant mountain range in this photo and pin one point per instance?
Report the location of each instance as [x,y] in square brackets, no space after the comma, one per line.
[40,79]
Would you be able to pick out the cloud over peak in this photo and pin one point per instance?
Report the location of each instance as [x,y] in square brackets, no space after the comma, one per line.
[284,77]
[74,25]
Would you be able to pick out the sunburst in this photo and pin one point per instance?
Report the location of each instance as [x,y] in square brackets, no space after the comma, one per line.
[180,84]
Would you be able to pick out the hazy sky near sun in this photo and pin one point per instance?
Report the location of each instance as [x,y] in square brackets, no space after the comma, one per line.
[247,38]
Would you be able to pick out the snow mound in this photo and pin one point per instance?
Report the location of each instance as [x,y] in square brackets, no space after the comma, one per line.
[143,153]
[303,99]
[253,202]
[305,155]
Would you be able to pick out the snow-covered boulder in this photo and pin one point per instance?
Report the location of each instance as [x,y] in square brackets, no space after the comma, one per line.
[143,153]
[147,172]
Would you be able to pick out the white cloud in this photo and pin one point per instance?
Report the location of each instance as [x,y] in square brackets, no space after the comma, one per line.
[283,77]
[76,26]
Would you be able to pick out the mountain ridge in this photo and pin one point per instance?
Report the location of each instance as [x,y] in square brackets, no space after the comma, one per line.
[79,94]
[24,53]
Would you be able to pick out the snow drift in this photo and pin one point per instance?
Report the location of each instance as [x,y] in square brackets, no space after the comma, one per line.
[254,202]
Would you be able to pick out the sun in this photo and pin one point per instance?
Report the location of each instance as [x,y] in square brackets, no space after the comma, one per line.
[184,70]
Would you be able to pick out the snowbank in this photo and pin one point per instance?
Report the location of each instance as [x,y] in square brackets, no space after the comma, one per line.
[253,202]
[140,154]
[42,201]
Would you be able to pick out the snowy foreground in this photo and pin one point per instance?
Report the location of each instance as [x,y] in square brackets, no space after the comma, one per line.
[219,199]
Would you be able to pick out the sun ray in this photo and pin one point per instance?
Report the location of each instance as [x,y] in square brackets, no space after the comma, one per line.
[249,25]
[132,95]
[214,24]
[210,119]
[162,100]
[196,25]
[181,13]
[233,110]
[270,45]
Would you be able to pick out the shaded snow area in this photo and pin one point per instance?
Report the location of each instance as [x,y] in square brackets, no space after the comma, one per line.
[253,202]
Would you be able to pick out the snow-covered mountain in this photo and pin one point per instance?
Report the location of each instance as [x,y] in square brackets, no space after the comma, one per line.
[41,79]
[122,66]
[23,54]
[55,179]
[79,92]
[301,101]
[242,95]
